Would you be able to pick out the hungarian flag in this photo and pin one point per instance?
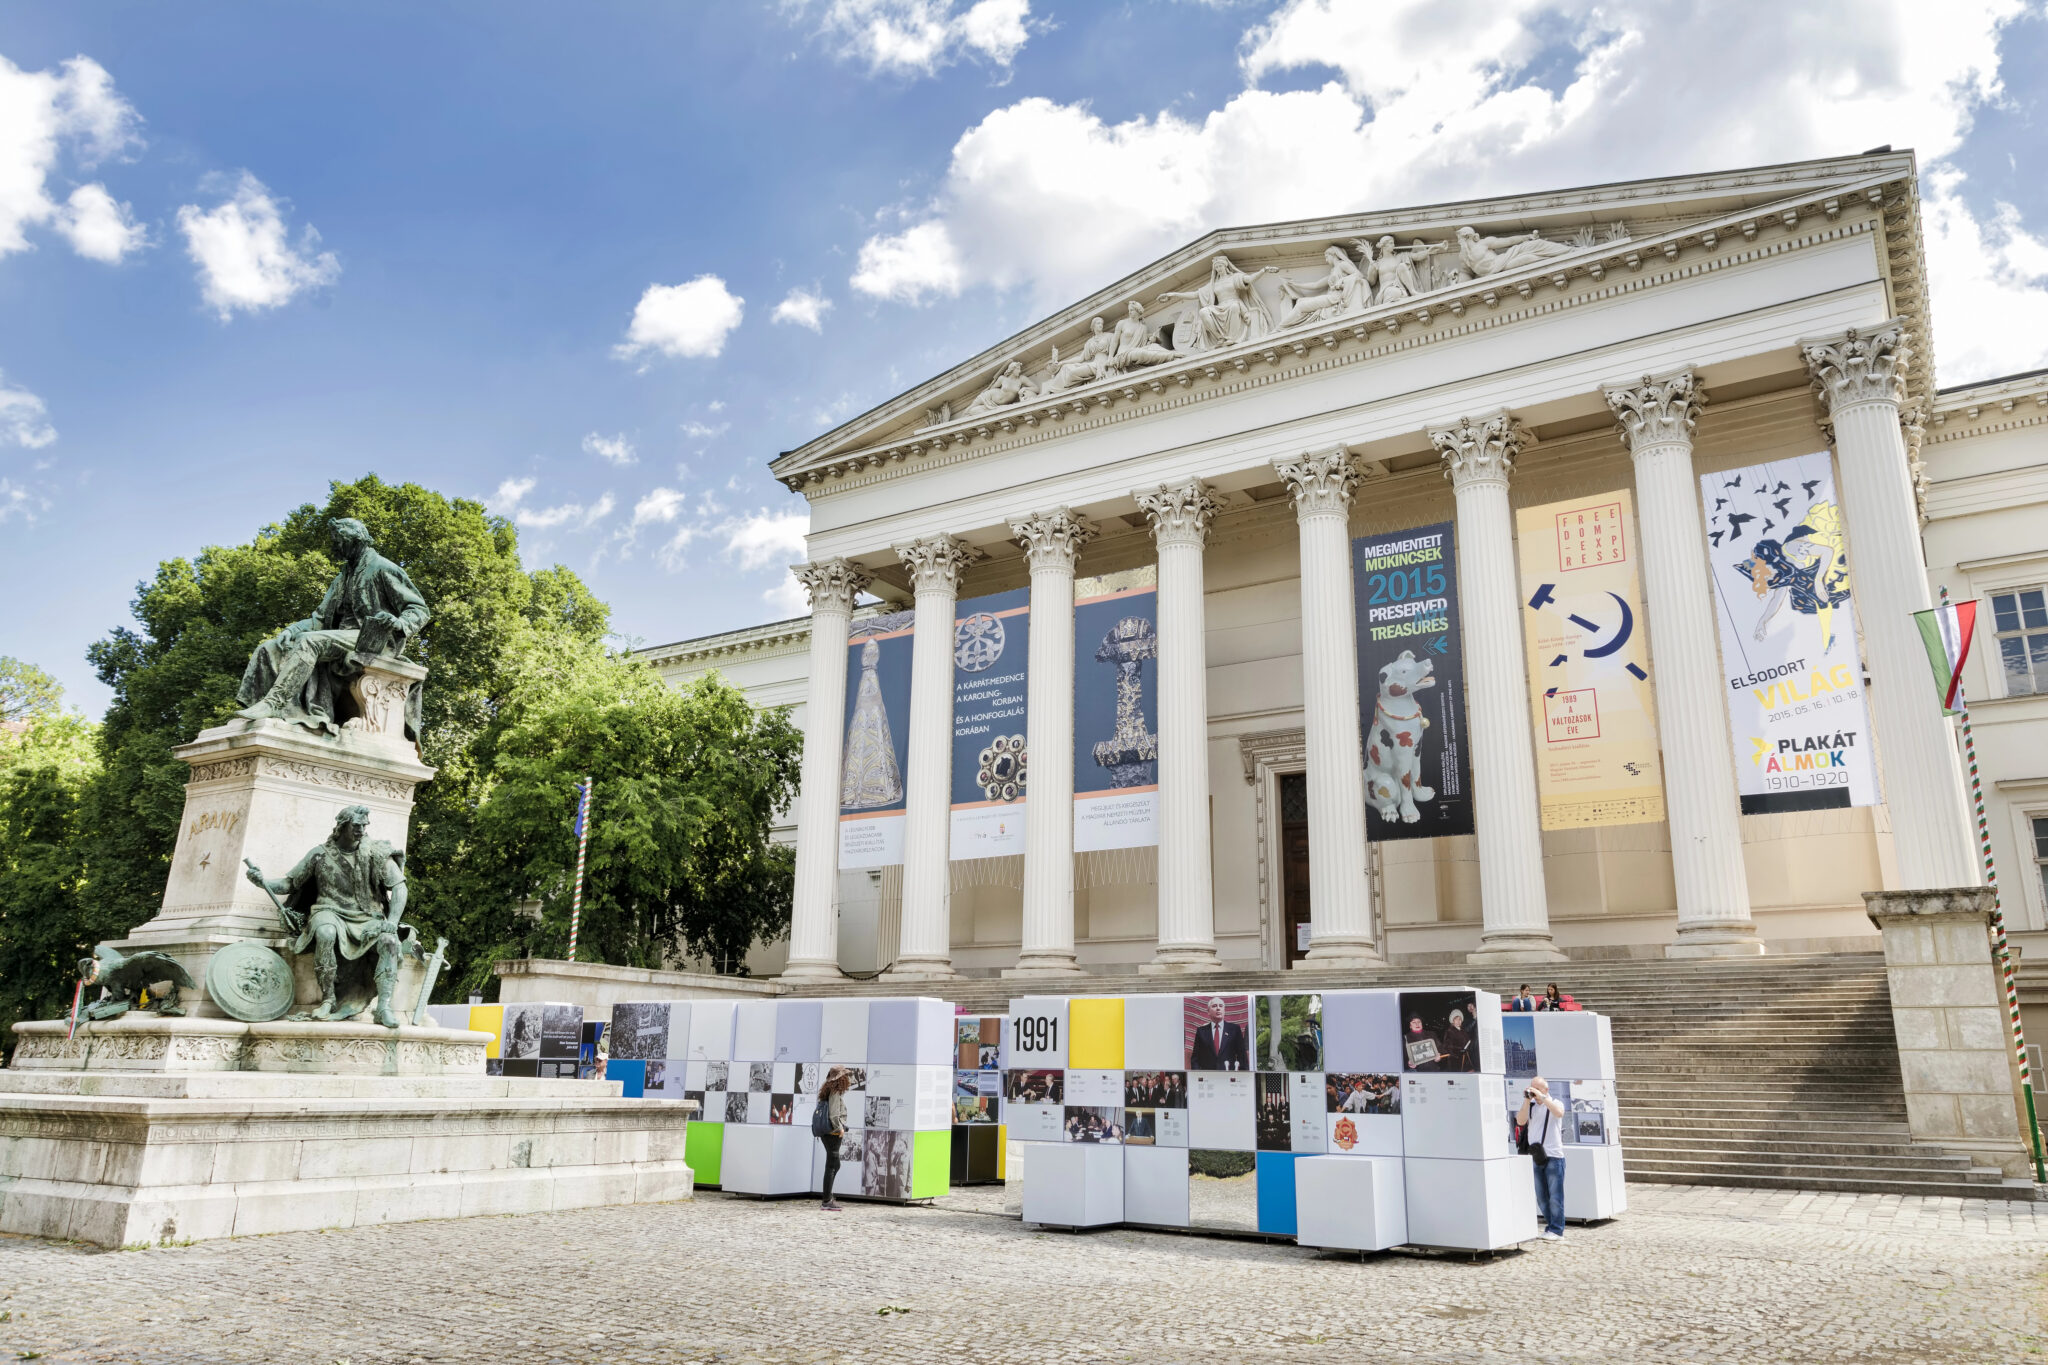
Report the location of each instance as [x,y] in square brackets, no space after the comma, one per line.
[1946,630]
[583,797]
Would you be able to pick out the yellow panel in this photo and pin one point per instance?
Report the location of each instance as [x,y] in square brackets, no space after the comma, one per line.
[488,1019]
[1097,1029]
[1002,1150]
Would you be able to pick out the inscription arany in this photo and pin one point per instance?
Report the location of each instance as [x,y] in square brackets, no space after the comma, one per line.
[335,777]
[228,767]
[225,820]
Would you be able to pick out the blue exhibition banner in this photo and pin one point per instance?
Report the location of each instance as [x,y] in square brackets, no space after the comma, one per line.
[1116,710]
[871,806]
[991,647]
[1411,684]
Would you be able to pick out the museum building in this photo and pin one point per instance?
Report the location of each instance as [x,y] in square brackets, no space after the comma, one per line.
[1515,578]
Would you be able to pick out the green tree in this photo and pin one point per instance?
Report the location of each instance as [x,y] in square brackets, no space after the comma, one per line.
[47,919]
[26,690]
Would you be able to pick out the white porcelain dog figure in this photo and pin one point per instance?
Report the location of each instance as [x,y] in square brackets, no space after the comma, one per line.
[1394,739]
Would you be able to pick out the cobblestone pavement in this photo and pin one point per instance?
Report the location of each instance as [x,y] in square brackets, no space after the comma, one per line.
[1689,1274]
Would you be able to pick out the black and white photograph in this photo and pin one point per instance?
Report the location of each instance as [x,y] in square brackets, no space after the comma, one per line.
[1439,1031]
[494,1066]
[877,1112]
[736,1107]
[1036,1087]
[639,1030]
[522,1033]
[809,1076]
[885,1164]
[716,1075]
[761,1077]
[1274,1112]
[1360,1092]
[1155,1090]
[1094,1123]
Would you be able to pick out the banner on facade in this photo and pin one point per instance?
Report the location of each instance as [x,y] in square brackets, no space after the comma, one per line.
[1597,757]
[1411,684]
[877,741]
[1796,712]
[991,770]
[1116,710]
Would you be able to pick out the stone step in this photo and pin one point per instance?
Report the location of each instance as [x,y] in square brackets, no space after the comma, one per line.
[1845,1181]
[1873,1155]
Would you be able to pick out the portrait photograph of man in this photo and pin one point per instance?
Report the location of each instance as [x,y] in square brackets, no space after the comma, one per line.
[1218,1033]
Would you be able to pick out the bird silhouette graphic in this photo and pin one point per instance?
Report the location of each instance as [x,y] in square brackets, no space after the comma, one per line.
[1783,505]
[1719,503]
[1782,488]
[1716,538]
[1768,524]
[1735,482]
[1809,486]
[1735,520]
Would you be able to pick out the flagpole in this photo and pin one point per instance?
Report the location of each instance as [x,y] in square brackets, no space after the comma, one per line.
[2006,970]
[582,844]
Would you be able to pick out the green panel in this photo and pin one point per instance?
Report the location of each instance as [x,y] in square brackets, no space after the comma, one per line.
[931,1155]
[703,1146]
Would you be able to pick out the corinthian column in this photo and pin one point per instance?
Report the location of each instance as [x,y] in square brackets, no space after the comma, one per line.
[1339,887]
[927,935]
[813,918]
[1657,420]
[1187,907]
[1860,378]
[1052,541]
[1514,908]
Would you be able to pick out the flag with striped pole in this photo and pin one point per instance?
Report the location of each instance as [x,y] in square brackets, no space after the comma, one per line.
[1946,631]
[582,844]
[1953,636]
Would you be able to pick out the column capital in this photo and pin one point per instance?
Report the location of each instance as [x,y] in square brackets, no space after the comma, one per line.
[1321,483]
[1863,365]
[1180,513]
[1480,449]
[1052,540]
[832,583]
[1659,410]
[935,562]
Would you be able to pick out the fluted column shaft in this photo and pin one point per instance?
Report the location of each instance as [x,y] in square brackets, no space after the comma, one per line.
[1515,909]
[814,915]
[1187,906]
[927,924]
[1860,379]
[1657,420]
[1339,882]
[1052,542]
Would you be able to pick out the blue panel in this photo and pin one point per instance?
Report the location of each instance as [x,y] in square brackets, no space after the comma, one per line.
[634,1074]
[1276,1192]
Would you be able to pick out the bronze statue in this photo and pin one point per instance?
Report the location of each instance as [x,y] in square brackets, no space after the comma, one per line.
[371,610]
[343,902]
[124,977]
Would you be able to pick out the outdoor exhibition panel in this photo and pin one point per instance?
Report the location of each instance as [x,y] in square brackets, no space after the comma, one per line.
[1359,1203]
[977,1157]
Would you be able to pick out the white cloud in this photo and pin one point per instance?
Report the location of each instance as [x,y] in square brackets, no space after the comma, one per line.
[700,431]
[22,421]
[48,119]
[1989,283]
[1422,104]
[659,505]
[245,255]
[788,598]
[766,538]
[671,555]
[690,319]
[98,226]
[804,308]
[918,37]
[18,501]
[510,494]
[615,449]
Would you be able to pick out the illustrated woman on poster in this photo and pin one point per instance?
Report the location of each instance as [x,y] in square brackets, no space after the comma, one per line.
[871,778]
[1806,569]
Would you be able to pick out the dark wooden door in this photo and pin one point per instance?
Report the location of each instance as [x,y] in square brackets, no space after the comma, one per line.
[1294,863]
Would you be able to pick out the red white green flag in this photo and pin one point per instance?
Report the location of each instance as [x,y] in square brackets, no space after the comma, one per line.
[1947,630]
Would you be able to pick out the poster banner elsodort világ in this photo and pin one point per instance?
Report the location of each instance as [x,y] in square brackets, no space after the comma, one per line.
[1778,561]
[1411,684]
[1116,710]
[991,769]
[877,741]
[1588,654]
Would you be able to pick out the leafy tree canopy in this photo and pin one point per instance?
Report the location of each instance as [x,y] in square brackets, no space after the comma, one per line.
[26,690]
[47,923]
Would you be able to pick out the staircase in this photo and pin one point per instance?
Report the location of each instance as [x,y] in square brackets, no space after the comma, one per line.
[1780,1072]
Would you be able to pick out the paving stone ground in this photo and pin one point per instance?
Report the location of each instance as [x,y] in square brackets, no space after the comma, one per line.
[1689,1274]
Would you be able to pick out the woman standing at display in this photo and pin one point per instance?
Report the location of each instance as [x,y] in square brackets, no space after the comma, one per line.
[832,1100]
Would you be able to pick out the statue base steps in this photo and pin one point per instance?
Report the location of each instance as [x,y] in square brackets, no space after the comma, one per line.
[125,1144]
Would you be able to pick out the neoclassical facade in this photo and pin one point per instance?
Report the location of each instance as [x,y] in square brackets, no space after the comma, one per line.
[1232,417]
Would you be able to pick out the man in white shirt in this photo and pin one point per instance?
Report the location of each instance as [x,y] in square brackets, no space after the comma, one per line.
[1543,1120]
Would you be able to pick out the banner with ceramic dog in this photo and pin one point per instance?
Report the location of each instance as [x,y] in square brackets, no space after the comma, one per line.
[1411,684]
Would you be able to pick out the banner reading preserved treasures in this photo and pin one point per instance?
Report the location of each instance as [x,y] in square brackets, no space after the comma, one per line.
[1411,684]
[877,741]
[1796,714]
[1597,759]
[1116,710]
[991,771]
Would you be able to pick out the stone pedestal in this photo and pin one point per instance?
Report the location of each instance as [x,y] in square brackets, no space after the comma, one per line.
[1948,1009]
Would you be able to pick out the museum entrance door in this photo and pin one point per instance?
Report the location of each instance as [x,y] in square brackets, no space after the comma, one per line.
[1294,864]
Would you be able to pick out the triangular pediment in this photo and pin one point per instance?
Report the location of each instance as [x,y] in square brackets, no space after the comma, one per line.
[1240,297]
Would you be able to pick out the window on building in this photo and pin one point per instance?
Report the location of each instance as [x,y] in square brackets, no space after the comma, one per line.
[2020,620]
[2041,853]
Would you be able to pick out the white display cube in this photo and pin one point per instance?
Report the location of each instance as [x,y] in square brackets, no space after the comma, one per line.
[1459,1115]
[1617,1182]
[798,1025]
[1362,1031]
[851,1170]
[1359,1203]
[1222,1111]
[753,1031]
[1363,1135]
[1156,1186]
[1589,1182]
[1154,1037]
[711,1031]
[765,1159]
[1074,1185]
[912,1032]
[1036,1039]
[1493,1057]
[843,1032]
[1575,1044]
[1470,1205]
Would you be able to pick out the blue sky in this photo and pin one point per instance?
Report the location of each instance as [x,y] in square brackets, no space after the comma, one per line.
[595,264]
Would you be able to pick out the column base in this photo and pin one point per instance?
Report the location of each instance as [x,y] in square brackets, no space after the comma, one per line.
[1716,940]
[921,969]
[1172,961]
[1504,950]
[812,970]
[1045,964]
[1333,955]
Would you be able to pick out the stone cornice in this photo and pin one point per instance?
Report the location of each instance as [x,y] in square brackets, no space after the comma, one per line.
[774,637]
[1992,406]
[1660,410]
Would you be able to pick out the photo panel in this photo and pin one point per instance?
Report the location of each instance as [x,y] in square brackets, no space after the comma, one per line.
[809,1076]
[886,1164]
[718,1076]
[662,1076]
[967,1043]
[736,1107]
[1287,1032]
[1155,1090]
[561,1032]
[1216,1032]
[494,1066]
[843,1032]
[1440,1031]
[1035,1086]
[760,1076]
[1098,1123]
[1518,1045]
[852,1177]
[1274,1122]
[1223,1189]
[991,1043]
[521,1039]
[977,1110]
[1222,1110]
[640,1029]
[782,1110]
[1593,1113]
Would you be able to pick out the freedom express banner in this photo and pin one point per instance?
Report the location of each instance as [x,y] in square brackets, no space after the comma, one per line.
[1597,757]
[871,805]
[1116,710]
[1411,684]
[1780,569]
[991,644]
